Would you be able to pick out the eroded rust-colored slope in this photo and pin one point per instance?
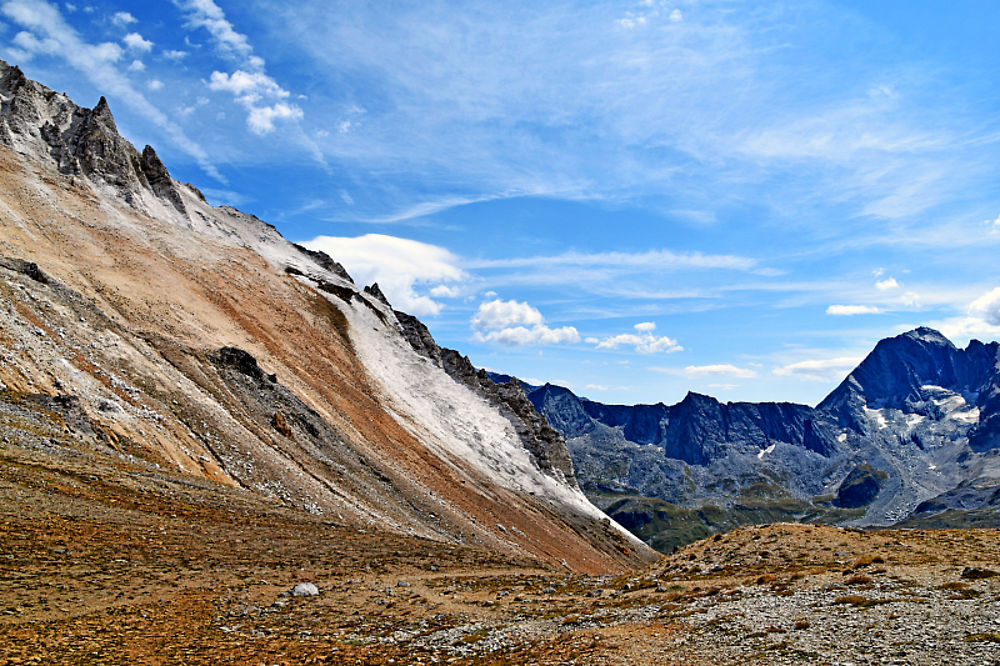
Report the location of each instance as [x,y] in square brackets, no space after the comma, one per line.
[164,298]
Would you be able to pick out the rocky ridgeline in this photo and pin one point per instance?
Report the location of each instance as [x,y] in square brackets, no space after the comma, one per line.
[82,141]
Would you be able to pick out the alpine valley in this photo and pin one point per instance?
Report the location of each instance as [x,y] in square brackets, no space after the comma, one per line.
[216,448]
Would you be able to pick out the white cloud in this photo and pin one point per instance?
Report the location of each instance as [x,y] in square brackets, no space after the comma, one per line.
[137,66]
[208,15]
[399,265]
[135,42]
[261,118]
[702,371]
[444,291]
[249,89]
[822,370]
[987,307]
[961,329]
[539,334]
[722,369]
[885,285]
[249,84]
[659,260]
[643,341]
[155,84]
[98,63]
[121,19]
[850,310]
[602,387]
[498,314]
[30,45]
[676,16]
[516,323]
[175,55]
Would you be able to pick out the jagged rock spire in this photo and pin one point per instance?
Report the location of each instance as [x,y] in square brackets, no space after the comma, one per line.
[36,120]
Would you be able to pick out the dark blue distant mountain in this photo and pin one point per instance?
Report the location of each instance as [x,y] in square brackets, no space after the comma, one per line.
[913,433]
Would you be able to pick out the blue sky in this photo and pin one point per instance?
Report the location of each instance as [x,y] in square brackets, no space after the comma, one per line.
[635,199]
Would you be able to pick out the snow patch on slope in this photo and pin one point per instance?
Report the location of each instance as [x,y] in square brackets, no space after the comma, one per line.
[450,419]
[770,449]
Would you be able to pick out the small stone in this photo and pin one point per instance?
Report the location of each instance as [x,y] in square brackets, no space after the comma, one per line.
[305,590]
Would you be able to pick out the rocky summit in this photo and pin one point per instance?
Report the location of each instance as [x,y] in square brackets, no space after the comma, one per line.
[216,448]
[909,437]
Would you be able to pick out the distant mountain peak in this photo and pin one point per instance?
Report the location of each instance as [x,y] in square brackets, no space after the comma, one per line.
[926,334]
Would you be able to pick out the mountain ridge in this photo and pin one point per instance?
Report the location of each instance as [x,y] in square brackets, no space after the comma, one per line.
[196,338]
[897,440]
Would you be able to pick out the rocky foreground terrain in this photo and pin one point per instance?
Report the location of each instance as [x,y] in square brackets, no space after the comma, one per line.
[110,562]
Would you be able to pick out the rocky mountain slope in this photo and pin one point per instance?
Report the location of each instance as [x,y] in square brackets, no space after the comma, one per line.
[912,434]
[140,325]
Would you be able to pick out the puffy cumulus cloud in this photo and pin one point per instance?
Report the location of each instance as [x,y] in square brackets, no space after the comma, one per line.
[135,42]
[261,118]
[250,89]
[850,310]
[497,314]
[540,334]
[987,307]
[964,328]
[137,66]
[676,16]
[247,87]
[399,265]
[175,55]
[643,340]
[514,323]
[887,284]
[123,19]
[822,370]
[257,92]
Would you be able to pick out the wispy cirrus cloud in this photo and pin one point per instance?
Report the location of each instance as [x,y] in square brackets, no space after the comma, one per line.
[657,260]
[821,369]
[726,370]
[543,102]
[851,310]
